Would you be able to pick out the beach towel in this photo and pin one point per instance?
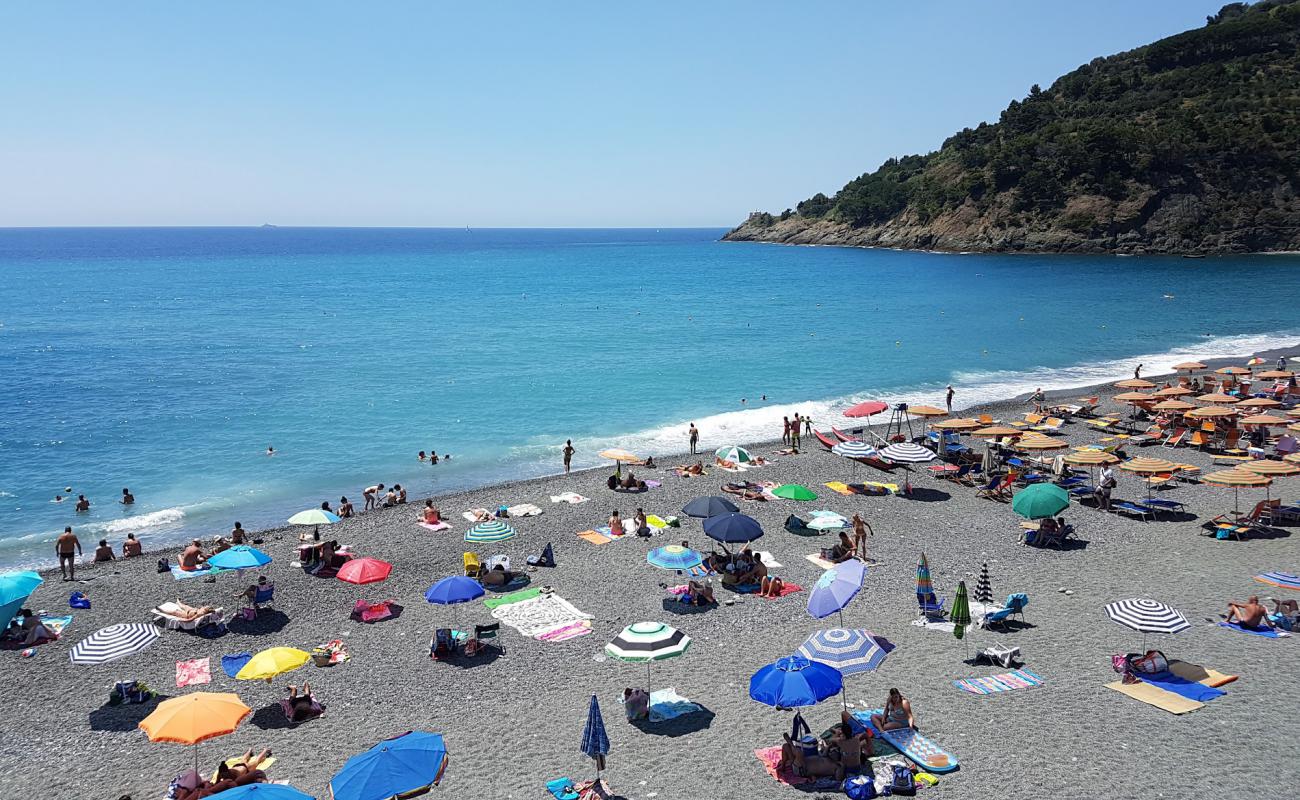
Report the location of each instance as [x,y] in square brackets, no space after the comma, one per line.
[768,560]
[1155,696]
[659,523]
[679,590]
[701,571]
[565,632]
[263,765]
[819,561]
[1005,682]
[545,613]
[572,498]
[786,588]
[524,510]
[193,672]
[440,526]
[977,610]
[180,574]
[667,704]
[513,597]
[232,664]
[56,624]
[593,537]
[1265,632]
[1194,672]
[476,515]
[653,484]
[839,487]
[769,757]
[562,789]
[1182,687]
[742,588]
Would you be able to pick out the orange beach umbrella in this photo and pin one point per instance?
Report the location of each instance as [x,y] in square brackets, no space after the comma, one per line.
[1135,383]
[196,717]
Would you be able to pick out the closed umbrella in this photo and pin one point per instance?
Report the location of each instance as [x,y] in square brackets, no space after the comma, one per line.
[795,681]
[794,491]
[733,454]
[925,597]
[674,557]
[15,588]
[241,556]
[647,642]
[1040,500]
[494,530]
[271,662]
[195,717]
[364,570]
[595,742]
[959,614]
[835,588]
[732,528]
[405,766]
[983,587]
[705,507]
[114,642]
[1147,616]
[1282,580]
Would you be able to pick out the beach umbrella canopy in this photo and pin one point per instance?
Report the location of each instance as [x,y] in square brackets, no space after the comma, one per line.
[794,491]
[1232,371]
[264,791]
[674,557]
[1282,580]
[1148,466]
[1188,366]
[15,588]
[957,425]
[1090,458]
[1210,412]
[1237,476]
[926,411]
[1263,419]
[1294,458]
[1041,443]
[1256,362]
[114,642]
[313,516]
[998,431]
[848,650]
[1147,616]
[1173,405]
[1174,391]
[402,765]
[1218,398]
[1276,374]
[618,454]
[983,587]
[1040,500]
[494,530]
[835,588]
[195,717]
[734,454]
[854,450]
[1262,467]
[453,590]
[867,409]
[364,570]
[1135,383]
[732,528]
[959,614]
[271,662]
[795,681]
[1259,402]
[241,556]
[1132,397]
[907,453]
[705,507]
[595,742]
[647,642]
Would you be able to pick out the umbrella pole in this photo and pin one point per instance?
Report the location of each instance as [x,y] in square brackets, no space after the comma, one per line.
[647,676]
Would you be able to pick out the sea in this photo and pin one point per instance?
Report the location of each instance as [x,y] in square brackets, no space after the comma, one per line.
[168,360]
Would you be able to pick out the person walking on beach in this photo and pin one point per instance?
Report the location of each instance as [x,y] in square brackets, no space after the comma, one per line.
[1037,399]
[65,547]
[694,435]
[371,493]
[1281,363]
[1137,372]
[785,430]
[949,398]
[1105,487]
[861,530]
[794,431]
[568,454]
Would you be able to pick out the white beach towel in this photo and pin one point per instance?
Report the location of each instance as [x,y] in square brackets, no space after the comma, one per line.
[768,560]
[977,612]
[539,614]
[572,498]
[524,510]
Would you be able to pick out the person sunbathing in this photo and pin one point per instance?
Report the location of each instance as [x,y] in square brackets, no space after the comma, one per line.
[301,705]
[192,556]
[431,514]
[770,586]
[896,714]
[846,746]
[843,551]
[698,594]
[807,766]
[1249,614]
[188,612]
[497,576]
[32,630]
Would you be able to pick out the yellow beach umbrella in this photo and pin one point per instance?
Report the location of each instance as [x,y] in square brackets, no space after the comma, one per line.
[1218,398]
[957,425]
[926,411]
[275,661]
[1188,366]
[618,454]
[1263,419]
[1135,383]
[1148,466]
[1210,412]
[1174,391]
[1173,405]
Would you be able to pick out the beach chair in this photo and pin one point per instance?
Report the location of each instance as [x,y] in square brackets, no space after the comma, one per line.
[995,489]
[1158,505]
[264,596]
[485,636]
[1132,509]
[1051,425]
[931,606]
[1199,439]
[1015,604]
[1175,437]
[473,567]
[987,420]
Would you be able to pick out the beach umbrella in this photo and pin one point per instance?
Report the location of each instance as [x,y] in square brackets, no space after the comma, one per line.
[1146,616]
[835,588]
[1135,383]
[454,590]
[595,742]
[1293,458]
[924,585]
[404,766]
[827,522]
[674,557]
[1276,374]
[1218,398]
[494,530]
[1256,362]
[957,425]
[794,491]
[15,588]
[959,614]
[1211,412]
[1040,500]
[926,411]
[271,662]
[1264,467]
[314,516]
[114,642]
[1282,580]
[1090,458]
[1174,391]
[795,681]
[854,450]
[983,587]
[1232,371]
[1236,478]
[1188,366]
[195,717]
[1263,419]
[1173,405]
[241,556]
[264,791]
[1040,442]
[1132,397]
[907,453]
[1259,402]
[848,650]
[647,642]
[618,456]
[734,454]
[705,507]
[1149,466]
[364,570]
[868,409]
[732,528]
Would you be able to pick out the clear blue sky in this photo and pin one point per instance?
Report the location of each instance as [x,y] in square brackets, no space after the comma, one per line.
[505,113]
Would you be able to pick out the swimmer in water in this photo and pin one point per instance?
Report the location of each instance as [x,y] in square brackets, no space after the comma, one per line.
[127,497]
[58,498]
[270,451]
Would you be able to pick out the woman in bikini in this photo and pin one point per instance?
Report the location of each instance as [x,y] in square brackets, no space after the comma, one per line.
[896,714]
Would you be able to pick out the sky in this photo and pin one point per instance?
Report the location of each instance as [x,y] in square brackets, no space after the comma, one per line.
[505,114]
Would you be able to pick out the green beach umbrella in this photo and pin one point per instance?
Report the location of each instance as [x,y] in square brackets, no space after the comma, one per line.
[1040,500]
[493,530]
[959,616]
[736,455]
[793,491]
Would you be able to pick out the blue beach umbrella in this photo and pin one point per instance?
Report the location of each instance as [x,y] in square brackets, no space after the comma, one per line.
[732,528]
[403,764]
[595,742]
[835,588]
[494,530]
[265,791]
[849,651]
[453,590]
[240,556]
[705,507]
[795,681]
[15,588]
[1282,580]
[674,557]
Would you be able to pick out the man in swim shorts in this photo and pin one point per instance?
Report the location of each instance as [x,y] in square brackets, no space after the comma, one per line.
[67,544]
[568,454]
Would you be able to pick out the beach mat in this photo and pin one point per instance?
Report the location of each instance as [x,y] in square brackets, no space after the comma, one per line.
[839,487]
[786,588]
[564,632]
[1004,682]
[768,560]
[769,757]
[1266,632]
[56,624]
[1155,696]
[441,526]
[594,538]
[1195,672]
[667,704]
[512,597]
[562,789]
[194,672]
[572,498]
[180,574]
[819,561]
[920,749]
[541,615]
[1192,690]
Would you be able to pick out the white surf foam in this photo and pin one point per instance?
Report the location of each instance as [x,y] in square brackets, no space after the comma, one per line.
[139,522]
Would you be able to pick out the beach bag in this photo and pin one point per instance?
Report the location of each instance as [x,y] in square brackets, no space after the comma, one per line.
[860,787]
[78,600]
[1151,663]
[901,783]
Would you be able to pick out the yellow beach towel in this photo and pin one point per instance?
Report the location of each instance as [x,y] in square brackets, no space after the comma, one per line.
[594,537]
[1155,696]
[839,487]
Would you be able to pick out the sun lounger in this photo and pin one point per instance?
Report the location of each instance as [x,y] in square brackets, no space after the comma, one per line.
[168,614]
[1132,509]
[1050,425]
[1175,438]
[1157,505]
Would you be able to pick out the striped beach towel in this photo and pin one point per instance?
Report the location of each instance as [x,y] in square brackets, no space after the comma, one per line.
[1016,679]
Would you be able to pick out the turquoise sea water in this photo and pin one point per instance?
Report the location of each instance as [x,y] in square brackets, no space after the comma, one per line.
[167,360]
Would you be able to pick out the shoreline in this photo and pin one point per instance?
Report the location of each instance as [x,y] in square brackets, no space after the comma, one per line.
[1017,252]
[416,501]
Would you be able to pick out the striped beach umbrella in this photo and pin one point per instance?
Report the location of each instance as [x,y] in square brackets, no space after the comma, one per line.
[114,642]
[983,588]
[1147,616]
[647,642]
[595,742]
[835,588]
[848,650]
[734,454]
[907,453]
[494,530]
[674,557]
[854,450]
[1282,580]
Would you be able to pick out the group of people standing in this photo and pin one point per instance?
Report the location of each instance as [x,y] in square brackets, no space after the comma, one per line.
[791,428]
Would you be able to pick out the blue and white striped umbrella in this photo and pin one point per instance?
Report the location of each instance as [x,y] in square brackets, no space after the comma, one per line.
[855,450]
[674,557]
[1147,616]
[907,453]
[848,650]
[114,642]
[595,742]
[494,530]
[1282,580]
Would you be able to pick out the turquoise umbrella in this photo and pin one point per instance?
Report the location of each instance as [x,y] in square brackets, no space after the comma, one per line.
[1040,500]
[241,556]
[493,530]
[15,588]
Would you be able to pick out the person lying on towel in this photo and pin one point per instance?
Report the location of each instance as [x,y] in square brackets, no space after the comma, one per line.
[497,576]
[807,765]
[1249,614]
[698,594]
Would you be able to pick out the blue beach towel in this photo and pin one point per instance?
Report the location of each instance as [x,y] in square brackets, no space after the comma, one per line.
[667,704]
[231,665]
[1182,687]
[561,789]
[1265,632]
[180,574]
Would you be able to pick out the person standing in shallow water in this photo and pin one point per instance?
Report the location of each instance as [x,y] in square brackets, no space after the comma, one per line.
[568,454]
[949,398]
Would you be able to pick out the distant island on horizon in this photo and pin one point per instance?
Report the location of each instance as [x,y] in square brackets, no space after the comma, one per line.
[1188,145]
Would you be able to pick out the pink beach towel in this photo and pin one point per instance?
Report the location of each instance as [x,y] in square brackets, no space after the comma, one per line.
[441,526]
[769,757]
[191,673]
[570,631]
[786,588]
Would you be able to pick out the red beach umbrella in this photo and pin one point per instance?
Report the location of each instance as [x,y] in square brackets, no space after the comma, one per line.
[867,409]
[365,570]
